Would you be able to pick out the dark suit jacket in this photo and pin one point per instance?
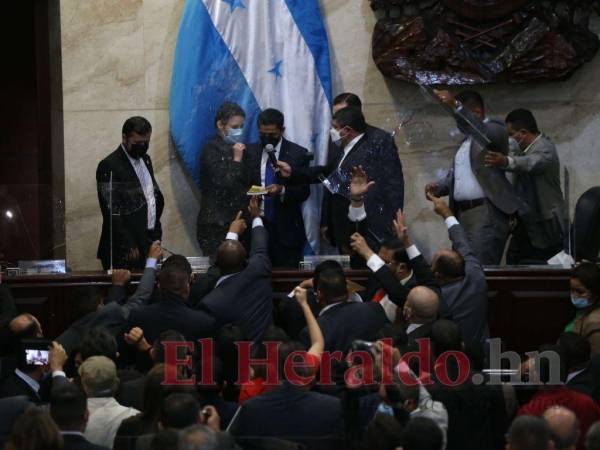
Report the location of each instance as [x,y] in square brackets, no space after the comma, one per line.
[343,323]
[493,181]
[588,381]
[286,232]
[376,152]
[246,298]
[130,211]
[131,393]
[223,185]
[171,313]
[466,301]
[293,414]
[76,442]
[15,386]
[423,332]
[11,409]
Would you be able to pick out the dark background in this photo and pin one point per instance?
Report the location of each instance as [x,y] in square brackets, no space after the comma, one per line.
[31,145]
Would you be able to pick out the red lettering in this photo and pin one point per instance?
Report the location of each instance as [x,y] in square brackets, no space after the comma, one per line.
[292,363]
[270,362]
[172,363]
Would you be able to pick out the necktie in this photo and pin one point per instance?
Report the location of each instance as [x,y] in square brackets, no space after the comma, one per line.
[269,180]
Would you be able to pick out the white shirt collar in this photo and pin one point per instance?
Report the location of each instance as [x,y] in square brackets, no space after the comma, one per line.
[33,384]
[574,374]
[72,433]
[131,160]
[329,307]
[349,147]
[531,145]
[412,327]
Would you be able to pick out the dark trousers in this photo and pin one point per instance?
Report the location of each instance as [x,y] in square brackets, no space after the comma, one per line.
[282,253]
[522,251]
[487,229]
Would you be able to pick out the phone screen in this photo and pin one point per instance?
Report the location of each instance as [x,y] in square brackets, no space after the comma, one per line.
[36,357]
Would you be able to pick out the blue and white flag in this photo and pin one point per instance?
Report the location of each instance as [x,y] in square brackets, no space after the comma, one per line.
[260,54]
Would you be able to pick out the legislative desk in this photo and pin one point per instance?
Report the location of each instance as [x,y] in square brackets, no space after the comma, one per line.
[527,306]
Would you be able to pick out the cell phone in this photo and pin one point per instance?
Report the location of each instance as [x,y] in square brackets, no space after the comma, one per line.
[36,352]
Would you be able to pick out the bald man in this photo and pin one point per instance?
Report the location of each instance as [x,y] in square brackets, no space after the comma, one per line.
[564,427]
[243,294]
[420,311]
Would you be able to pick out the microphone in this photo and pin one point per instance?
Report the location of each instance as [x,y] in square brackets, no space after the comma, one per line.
[271,154]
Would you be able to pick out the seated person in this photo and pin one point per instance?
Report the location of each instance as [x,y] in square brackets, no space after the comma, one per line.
[585,296]
[243,295]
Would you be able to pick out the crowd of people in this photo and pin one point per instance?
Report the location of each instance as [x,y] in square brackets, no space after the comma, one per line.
[212,361]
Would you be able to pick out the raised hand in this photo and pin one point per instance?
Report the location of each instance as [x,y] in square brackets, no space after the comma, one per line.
[254,207]
[238,151]
[120,277]
[360,184]
[400,226]
[301,296]
[440,207]
[238,225]
[284,169]
[360,246]
[155,251]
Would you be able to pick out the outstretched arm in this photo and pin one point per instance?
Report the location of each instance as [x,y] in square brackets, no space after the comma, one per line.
[317,340]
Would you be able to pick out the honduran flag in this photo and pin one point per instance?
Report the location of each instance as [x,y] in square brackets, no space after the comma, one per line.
[260,54]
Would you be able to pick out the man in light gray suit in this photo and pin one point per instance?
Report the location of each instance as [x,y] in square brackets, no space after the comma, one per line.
[538,235]
[481,196]
[461,279]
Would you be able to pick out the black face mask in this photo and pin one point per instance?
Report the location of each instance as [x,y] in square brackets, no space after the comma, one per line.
[136,151]
[266,139]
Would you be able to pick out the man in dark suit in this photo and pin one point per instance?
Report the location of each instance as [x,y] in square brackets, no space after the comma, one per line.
[283,204]
[243,295]
[539,232]
[293,413]
[341,321]
[462,281]
[172,311]
[137,202]
[68,408]
[355,146]
[481,196]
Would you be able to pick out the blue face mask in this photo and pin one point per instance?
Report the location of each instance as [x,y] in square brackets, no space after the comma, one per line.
[386,409]
[234,135]
[580,302]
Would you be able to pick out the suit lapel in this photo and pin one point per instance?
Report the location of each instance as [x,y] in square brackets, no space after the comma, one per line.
[347,163]
[132,176]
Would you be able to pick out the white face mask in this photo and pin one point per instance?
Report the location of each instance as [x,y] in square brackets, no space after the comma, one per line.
[235,135]
[335,135]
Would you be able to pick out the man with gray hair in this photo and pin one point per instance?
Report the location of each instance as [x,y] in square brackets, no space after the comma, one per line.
[100,382]
[564,427]
[198,437]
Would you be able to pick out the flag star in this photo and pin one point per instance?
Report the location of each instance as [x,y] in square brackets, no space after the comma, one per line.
[235,4]
[276,70]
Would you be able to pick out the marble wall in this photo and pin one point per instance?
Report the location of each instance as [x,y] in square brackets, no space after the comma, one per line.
[116,62]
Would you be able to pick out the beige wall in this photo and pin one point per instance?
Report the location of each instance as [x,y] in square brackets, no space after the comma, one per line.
[116,60]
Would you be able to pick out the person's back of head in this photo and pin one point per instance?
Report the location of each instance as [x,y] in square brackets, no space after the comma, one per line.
[158,348]
[395,332]
[352,118]
[384,432]
[98,342]
[179,410]
[331,287]
[165,440]
[592,439]
[25,326]
[290,349]
[155,390]
[68,407]
[99,377]
[422,434]
[328,264]
[446,336]
[448,266]
[576,350]
[34,430]
[528,433]
[198,437]
[175,275]
[231,257]
[422,305]
[564,427]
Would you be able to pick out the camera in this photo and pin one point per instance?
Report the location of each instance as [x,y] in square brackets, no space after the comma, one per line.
[36,352]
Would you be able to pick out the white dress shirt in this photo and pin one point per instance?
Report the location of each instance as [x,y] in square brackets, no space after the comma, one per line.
[349,147]
[105,417]
[466,186]
[143,174]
